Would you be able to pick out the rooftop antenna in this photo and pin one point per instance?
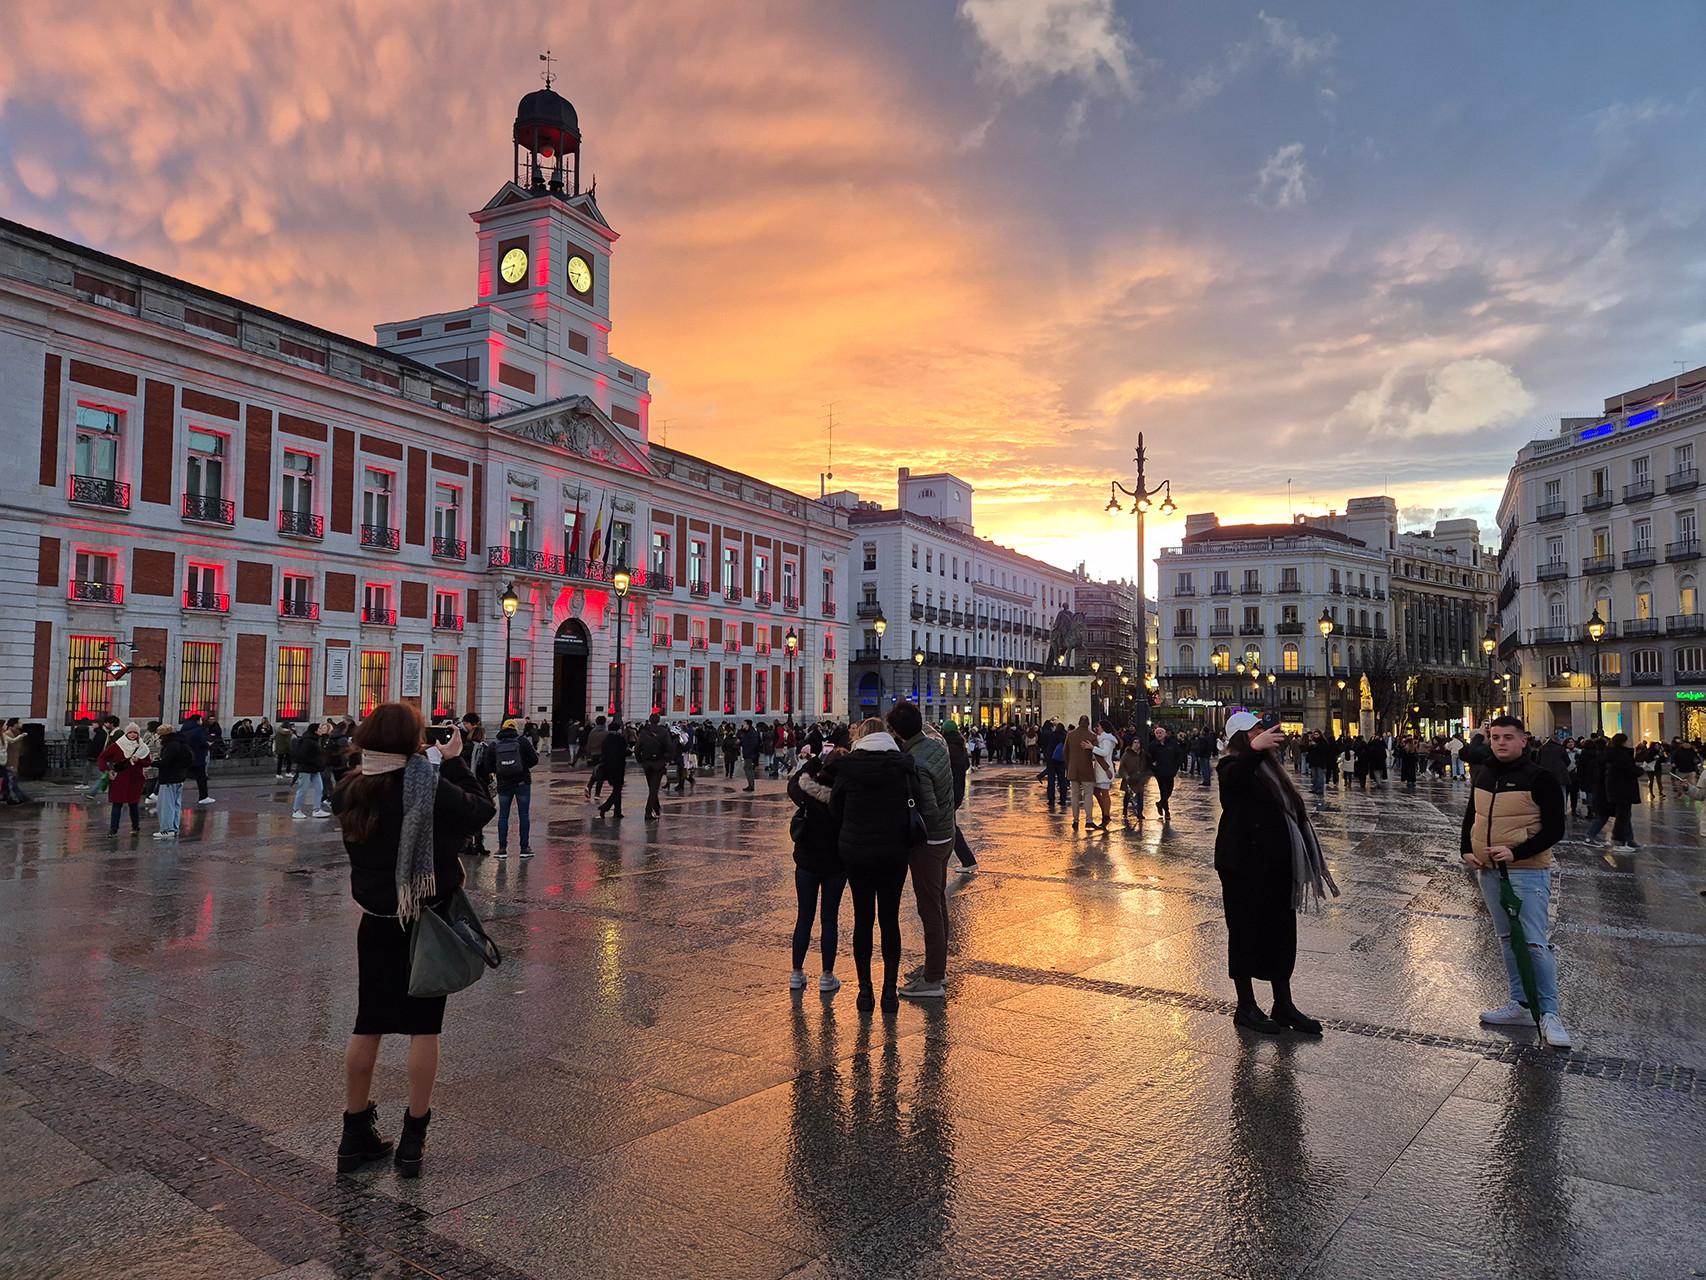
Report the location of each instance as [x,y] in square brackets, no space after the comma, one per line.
[547,75]
[1291,511]
[1676,378]
[663,430]
[828,473]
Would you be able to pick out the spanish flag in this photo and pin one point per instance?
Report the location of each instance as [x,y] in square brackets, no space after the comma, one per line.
[596,548]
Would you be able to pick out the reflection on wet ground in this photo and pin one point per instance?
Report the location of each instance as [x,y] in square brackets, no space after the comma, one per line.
[637,1093]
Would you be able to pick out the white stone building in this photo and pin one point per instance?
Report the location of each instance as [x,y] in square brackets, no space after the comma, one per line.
[1605,516]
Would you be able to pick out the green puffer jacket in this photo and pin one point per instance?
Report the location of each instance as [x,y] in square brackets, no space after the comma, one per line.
[935,784]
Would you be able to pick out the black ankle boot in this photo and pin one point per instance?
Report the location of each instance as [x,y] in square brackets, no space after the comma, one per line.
[362,1141]
[867,1000]
[1289,1015]
[411,1144]
[1252,1018]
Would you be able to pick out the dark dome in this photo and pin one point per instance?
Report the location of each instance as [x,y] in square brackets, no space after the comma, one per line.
[545,120]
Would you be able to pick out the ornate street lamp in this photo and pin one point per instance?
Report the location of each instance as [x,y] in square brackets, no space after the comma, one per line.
[918,666]
[879,624]
[1142,495]
[621,580]
[1596,633]
[791,643]
[510,602]
[1489,644]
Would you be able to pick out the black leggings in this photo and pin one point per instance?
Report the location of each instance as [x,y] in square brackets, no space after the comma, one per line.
[876,900]
[810,888]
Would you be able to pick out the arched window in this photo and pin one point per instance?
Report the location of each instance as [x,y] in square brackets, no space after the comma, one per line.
[1187,656]
[1687,598]
[1643,599]
[1222,657]
[1288,658]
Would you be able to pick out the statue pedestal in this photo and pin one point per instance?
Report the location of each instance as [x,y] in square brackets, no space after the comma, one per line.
[1064,698]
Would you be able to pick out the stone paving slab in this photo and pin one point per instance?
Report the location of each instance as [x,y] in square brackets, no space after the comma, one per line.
[636,1093]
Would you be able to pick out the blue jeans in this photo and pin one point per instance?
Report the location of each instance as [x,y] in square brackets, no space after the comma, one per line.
[1056,770]
[307,792]
[523,797]
[171,806]
[817,895]
[1534,887]
[1206,765]
[1318,782]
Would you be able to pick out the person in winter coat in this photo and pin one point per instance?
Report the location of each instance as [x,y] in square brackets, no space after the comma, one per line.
[125,761]
[651,749]
[1133,769]
[406,812]
[1409,753]
[1619,791]
[283,743]
[613,768]
[929,861]
[512,760]
[1321,754]
[731,749]
[1270,866]
[173,764]
[1166,758]
[959,761]
[200,744]
[870,802]
[1555,759]
[819,877]
[306,755]
[1081,771]
[751,744]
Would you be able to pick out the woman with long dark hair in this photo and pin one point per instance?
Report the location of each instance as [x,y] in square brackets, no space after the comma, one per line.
[405,813]
[1270,866]
[869,804]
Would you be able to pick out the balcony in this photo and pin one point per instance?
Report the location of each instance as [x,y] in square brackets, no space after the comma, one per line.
[1287,588]
[447,622]
[1687,549]
[1361,593]
[1551,569]
[380,537]
[864,609]
[655,579]
[1598,500]
[1635,628]
[1220,629]
[1549,635]
[93,491]
[523,560]
[449,548]
[205,510]
[299,610]
[301,524]
[700,589]
[1250,589]
[1556,681]
[731,645]
[1685,624]
[791,602]
[917,611]
[1646,677]
[1507,593]
[1551,511]
[85,592]
[1185,591]
[1599,564]
[1189,630]
[1678,481]
[1690,677]
[929,613]
[1252,629]
[829,608]
[763,599]
[1640,491]
[374,616]
[207,601]
[1220,589]
[1288,628]
[1639,557]
[733,594]
[662,640]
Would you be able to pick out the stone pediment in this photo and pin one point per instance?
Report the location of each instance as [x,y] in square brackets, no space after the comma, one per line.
[575,425]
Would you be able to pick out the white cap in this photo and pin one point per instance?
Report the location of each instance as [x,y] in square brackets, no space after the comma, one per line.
[1240,720]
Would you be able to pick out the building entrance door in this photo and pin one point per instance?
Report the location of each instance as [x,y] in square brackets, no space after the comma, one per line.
[569,655]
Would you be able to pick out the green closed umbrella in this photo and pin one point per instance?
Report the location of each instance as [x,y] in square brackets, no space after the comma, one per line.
[1511,905]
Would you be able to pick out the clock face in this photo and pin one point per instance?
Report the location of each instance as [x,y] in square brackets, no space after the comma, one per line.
[580,274]
[514,265]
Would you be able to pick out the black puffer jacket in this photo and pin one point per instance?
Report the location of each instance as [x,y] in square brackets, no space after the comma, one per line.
[175,760]
[869,804]
[460,808]
[815,848]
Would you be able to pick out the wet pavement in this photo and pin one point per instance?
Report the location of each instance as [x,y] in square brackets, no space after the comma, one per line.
[636,1092]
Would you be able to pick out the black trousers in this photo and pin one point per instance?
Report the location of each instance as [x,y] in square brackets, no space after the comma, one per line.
[654,780]
[813,891]
[876,901]
[1165,787]
[199,773]
[614,799]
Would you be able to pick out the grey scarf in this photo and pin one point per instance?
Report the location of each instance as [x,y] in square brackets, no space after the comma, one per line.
[416,882]
[1311,882]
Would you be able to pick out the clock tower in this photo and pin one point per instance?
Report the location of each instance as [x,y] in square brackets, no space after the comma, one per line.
[540,327]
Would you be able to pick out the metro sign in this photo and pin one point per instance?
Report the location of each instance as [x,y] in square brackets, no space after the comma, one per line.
[117,670]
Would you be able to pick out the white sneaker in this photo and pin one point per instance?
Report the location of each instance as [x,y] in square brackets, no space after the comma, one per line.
[1508,1014]
[828,983]
[297,813]
[162,835]
[797,980]
[321,813]
[1552,1031]
[208,800]
[1628,848]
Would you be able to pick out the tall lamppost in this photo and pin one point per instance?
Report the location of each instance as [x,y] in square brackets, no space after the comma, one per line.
[918,668]
[621,580]
[1273,693]
[1095,684]
[791,644]
[1142,496]
[1596,633]
[510,602]
[1489,643]
[1325,625]
[1007,698]
[1344,713]
[880,624]
[1031,695]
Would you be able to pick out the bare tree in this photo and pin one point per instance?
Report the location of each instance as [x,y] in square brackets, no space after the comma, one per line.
[1392,676]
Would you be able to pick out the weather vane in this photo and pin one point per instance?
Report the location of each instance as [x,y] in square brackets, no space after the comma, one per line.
[547,76]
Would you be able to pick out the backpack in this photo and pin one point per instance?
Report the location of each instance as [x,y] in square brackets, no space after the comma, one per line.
[649,749]
[510,767]
[1058,755]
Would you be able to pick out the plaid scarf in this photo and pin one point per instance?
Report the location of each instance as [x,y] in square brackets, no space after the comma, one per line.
[416,883]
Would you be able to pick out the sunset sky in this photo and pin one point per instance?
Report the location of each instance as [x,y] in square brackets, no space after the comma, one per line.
[1359,247]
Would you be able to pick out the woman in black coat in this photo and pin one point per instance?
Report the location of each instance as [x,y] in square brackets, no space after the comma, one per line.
[819,877]
[869,803]
[1622,784]
[392,885]
[1269,864]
